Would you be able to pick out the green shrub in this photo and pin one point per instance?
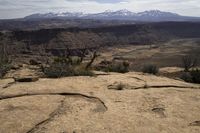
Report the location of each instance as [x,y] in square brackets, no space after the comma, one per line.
[56,70]
[4,59]
[195,74]
[61,60]
[120,67]
[64,69]
[4,69]
[151,69]
[189,61]
[186,76]
[75,60]
[4,66]
[81,71]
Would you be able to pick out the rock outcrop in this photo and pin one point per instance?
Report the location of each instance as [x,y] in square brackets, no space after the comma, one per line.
[146,104]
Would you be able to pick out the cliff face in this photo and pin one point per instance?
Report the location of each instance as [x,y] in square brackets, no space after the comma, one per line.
[79,38]
[174,29]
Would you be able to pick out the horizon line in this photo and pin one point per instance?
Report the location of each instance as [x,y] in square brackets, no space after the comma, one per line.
[84,12]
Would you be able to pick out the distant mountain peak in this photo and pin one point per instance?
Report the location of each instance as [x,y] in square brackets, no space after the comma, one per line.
[108,10]
[157,13]
[123,10]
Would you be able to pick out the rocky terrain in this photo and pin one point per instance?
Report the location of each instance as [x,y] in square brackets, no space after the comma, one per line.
[133,102]
[106,103]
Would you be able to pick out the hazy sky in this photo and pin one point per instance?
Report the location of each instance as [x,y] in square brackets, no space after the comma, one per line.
[21,8]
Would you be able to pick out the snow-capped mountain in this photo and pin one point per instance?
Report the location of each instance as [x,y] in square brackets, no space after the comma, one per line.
[118,15]
[55,15]
[108,13]
[156,13]
[152,15]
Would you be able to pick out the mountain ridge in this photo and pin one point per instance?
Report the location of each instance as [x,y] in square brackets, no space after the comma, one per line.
[124,14]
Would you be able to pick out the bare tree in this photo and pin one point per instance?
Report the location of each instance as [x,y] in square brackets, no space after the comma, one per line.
[82,54]
[42,52]
[94,56]
[189,61]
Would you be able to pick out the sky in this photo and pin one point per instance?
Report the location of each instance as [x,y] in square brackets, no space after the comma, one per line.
[20,8]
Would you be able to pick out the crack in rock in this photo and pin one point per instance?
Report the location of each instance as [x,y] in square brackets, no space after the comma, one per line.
[61,94]
[116,86]
[160,86]
[58,111]
[138,79]
[195,123]
[164,86]
[159,111]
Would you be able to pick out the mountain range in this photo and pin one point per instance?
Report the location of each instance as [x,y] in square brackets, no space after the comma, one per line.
[151,15]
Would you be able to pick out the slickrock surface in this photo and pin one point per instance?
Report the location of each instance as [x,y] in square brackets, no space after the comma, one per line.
[113,103]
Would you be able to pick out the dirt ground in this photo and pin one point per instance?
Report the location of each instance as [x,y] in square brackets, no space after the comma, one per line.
[163,55]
